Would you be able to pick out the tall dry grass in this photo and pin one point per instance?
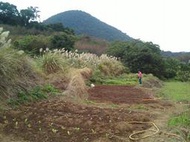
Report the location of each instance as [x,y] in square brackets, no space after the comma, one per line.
[106,64]
[16,70]
[16,73]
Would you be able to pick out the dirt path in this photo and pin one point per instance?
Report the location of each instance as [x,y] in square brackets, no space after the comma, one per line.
[106,116]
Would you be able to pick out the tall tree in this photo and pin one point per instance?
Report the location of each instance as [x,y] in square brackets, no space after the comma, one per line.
[8,13]
[145,58]
[28,15]
[118,49]
[138,55]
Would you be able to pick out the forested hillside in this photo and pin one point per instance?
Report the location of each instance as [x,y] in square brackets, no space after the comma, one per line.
[85,24]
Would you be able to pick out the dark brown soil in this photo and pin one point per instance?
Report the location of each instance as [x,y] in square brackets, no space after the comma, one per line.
[60,121]
[120,94]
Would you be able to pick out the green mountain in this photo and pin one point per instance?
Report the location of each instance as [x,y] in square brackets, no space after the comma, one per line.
[182,56]
[84,24]
[174,54]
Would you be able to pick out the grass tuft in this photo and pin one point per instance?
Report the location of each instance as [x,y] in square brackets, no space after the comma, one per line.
[180,120]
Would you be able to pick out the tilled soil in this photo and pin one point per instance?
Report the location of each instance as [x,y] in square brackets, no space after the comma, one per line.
[61,121]
[120,94]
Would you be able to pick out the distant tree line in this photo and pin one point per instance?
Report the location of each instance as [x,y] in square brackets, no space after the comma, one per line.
[34,35]
[29,18]
[147,57]
[10,15]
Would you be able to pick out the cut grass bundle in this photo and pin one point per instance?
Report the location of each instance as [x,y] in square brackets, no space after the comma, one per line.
[77,88]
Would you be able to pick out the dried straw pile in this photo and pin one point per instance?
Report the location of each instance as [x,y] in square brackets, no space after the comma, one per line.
[77,88]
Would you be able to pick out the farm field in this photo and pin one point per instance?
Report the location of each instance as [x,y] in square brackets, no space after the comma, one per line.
[57,86]
[112,113]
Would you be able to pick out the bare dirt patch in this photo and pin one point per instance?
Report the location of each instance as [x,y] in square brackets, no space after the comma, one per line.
[61,121]
[121,94]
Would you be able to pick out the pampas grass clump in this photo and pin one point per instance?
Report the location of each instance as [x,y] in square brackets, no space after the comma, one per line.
[108,65]
[52,63]
[16,70]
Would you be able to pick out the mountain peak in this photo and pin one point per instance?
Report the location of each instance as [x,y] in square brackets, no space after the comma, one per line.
[85,24]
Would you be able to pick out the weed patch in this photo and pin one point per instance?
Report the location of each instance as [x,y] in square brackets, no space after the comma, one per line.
[37,93]
[180,120]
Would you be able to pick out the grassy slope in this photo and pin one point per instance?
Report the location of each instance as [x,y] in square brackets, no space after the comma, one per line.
[176,91]
[179,92]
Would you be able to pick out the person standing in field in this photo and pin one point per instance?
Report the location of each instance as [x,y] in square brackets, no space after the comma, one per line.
[140,77]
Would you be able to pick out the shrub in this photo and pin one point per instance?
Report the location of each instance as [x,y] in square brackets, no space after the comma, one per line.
[183,76]
[184,73]
[63,40]
[31,44]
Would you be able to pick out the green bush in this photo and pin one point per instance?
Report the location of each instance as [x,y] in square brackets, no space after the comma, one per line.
[63,40]
[32,44]
[183,76]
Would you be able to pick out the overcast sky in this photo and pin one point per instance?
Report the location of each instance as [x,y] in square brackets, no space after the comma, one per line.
[163,22]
